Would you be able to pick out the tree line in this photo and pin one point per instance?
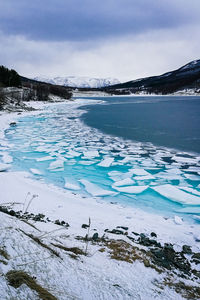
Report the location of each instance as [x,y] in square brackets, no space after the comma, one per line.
[9,77]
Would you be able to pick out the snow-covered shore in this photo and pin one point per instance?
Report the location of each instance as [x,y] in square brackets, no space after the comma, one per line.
[96,277]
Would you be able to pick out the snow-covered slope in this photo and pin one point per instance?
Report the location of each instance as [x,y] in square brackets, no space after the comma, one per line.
[186,78]
[78,81]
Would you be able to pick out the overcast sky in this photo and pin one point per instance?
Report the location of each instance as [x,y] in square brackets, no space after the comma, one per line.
[125,39]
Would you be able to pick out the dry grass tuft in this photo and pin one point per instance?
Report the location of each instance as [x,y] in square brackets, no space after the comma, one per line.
[4,253]
[39,242]
[121,250]
[17,278]
[28,223]
[3,262]
[187,291]
[75,250]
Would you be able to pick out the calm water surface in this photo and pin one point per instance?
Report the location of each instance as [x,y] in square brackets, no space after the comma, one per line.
[165,121]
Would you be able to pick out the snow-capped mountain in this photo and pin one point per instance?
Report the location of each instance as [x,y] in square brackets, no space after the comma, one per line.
[79,82]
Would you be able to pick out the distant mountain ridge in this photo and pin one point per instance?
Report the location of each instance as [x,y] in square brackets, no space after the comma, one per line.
[185,78]
[79,81]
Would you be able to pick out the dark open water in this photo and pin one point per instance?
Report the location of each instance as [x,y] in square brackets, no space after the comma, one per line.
[162,120]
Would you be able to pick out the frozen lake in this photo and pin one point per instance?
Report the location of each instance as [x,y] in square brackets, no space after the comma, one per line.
[58,147]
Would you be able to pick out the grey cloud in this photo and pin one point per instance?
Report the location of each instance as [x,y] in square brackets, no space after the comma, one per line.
[77,20]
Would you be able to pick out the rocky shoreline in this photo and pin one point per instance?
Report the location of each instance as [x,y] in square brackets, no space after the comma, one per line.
[123,244]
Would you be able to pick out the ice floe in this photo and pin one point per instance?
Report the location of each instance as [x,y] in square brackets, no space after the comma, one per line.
[190,190]
[46,158]
[175,194]
[6,158]
[139,172]
[168,176]
[43,148]
[123,182]
[71,184]
[107,162]
[145,177]
[56,164]
[91,154]
[131,189]
[95,190]
[192,177]
[185,160]
[4,167]
[72,153]
[174,171]
[36,171]
[87,162]
[115,173]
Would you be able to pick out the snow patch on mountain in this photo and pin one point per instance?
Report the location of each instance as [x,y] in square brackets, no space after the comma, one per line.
[79,81]
[192,64]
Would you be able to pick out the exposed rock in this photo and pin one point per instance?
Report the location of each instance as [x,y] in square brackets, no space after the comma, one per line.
[85,226]
[168,258]
[57,222]
[153,234]
[186,249]
[95,236]
[196,258]
[196,255]
[39,217]
[115,231]
[123,227]
[13,124]
[135,233]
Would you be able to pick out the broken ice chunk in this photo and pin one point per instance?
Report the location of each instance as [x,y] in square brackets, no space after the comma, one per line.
[185,160]
[4,167]
[131,189]
[57,170]
[94,189]
[190,190]
[91,154]
[44,158]
[6,158]
[175,194]
[36,171]
[106,162]
[126,181]
[147,177]
[174,171]
[139,172]
[56,164]
[72,153]
[115,173]
[71,185]
[192,177]
[165,175]
[42,149]
[87,162]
